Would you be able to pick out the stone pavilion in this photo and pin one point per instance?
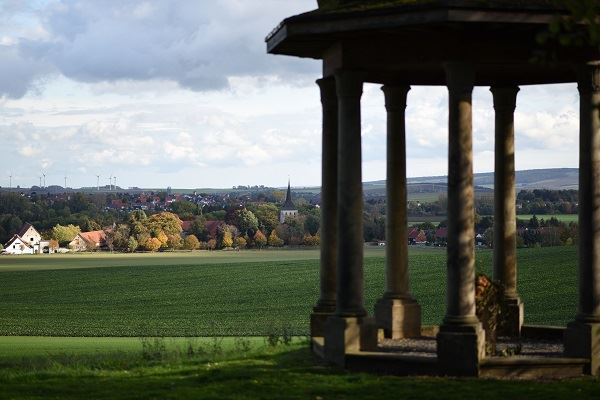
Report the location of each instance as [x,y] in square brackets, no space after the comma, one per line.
[459,44]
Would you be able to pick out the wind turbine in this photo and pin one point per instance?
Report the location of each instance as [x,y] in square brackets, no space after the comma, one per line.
[10,182]
[65,181]
[40,181]
[110,182]
[44,175]
[98,183]
[115,178]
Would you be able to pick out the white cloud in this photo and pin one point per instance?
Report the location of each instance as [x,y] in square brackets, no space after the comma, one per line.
[198,44]
[29,151]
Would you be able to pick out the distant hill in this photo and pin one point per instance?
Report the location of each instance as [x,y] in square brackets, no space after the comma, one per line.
[552,178]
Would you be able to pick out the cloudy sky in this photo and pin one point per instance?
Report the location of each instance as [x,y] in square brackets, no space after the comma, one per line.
[181,93]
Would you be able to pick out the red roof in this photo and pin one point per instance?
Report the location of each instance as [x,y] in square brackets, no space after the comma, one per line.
[441,233]
[413,233]
[212,226]
[95,237]
[186,225]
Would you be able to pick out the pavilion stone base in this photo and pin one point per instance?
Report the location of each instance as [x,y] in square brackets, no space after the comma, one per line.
[514,318]
[399,318]
[582,340]
[345,335]
[318,318]
[460,348]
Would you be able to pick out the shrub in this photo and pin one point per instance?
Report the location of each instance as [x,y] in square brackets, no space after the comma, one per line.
[274,240]
[240,242]
[310,240]
[211,244]
[191,242]
[132,244]
[490,309]
[260,240]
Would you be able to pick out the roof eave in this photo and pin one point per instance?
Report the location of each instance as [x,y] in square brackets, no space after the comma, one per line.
[312,25]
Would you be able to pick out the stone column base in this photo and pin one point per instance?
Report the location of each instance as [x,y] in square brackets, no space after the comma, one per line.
[513,320]
[399,318]
[318,318]
[460,348]
[345,335]
[582,340]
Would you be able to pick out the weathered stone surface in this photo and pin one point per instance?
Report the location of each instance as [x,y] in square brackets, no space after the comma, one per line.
[345,335]
[583,340]
[399,318]
[460,349]
[325,306]
[350,285]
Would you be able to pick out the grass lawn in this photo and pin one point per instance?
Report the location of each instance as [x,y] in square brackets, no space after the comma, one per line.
[234,293]
[256,371]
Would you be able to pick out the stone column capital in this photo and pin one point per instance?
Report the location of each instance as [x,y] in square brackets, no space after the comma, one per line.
[395,97]
[460,78]
[328,91]
[588,77]
[349,83]
[505,98]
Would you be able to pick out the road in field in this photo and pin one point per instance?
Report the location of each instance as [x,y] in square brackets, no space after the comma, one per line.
[233,293]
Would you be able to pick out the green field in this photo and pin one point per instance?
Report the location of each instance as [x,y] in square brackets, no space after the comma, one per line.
[561,217]
[268,293]
[233,293]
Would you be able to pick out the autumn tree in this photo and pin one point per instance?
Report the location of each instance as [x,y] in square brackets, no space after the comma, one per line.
[64,234]
[311,240]
[274,240]
[227,239]
[226,235]
[152,244]
[260,239]
[211,244]
[240,242]
[191,242]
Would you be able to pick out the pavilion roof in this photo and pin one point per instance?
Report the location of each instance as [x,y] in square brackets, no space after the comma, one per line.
[413,38]
[327,6]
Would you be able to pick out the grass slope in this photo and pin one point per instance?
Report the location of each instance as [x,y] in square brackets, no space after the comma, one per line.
[210,294]
[258,372]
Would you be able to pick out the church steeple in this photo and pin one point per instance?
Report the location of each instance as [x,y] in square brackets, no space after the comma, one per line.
[288,209]
[289,203]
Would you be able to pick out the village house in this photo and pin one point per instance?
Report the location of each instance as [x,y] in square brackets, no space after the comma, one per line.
[88,241]
[28,241]
[417,236]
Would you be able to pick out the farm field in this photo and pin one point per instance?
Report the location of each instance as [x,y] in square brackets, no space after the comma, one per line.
[561,217]
[234,293]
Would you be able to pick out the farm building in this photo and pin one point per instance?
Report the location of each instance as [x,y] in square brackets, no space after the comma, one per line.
[88,241]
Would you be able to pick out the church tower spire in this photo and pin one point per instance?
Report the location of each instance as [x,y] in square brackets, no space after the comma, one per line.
[289,208]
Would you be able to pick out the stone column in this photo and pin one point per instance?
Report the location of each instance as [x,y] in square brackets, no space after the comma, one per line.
[460,342]
[345,331]
[326,305]
[505,216]
[582,338]
[397,313]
